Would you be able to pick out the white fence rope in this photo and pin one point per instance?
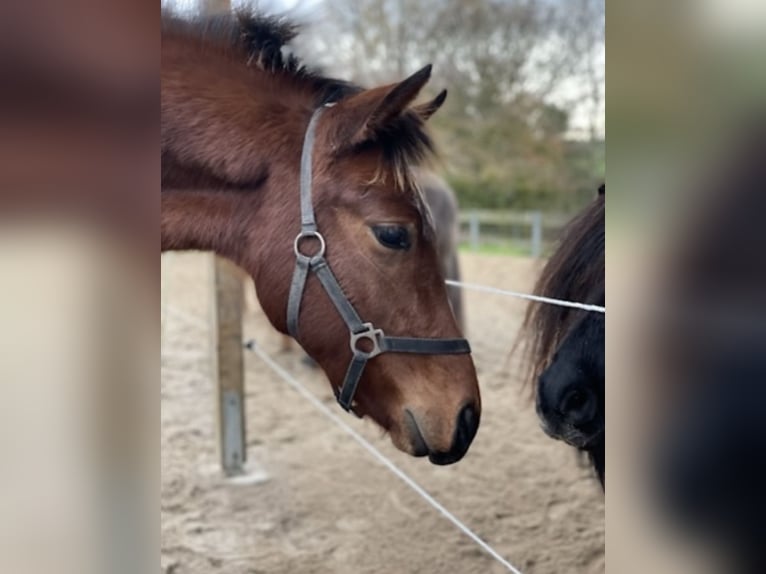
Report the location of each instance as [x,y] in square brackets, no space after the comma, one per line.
[528,296]
[320,406]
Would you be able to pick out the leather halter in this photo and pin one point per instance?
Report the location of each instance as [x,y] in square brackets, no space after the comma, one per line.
[358,329]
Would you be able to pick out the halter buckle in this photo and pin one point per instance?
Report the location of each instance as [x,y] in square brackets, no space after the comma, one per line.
[371,334]
[308,234]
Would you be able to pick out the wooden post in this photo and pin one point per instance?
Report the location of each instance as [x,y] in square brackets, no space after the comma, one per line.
[536,241]
[227,348]
[474,231]
[228,368]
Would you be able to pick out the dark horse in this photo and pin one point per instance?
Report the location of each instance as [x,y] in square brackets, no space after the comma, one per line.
[565,346]
[235,111]
[707,344]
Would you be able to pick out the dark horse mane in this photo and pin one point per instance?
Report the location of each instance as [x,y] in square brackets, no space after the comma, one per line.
[260,42]
[575,272]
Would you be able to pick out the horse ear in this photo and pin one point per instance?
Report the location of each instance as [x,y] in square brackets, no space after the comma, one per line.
[362,116]
[428,109]
[602,189]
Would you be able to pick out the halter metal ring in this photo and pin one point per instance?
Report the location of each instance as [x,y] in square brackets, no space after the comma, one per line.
[309,235]
[371,334]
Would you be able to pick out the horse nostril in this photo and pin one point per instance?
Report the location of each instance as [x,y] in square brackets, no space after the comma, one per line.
[468,424]
[578,406]
[574,401]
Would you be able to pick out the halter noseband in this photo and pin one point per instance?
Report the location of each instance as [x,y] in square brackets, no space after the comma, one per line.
[358,330]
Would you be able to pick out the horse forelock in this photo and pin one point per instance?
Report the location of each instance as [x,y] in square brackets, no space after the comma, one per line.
[574,272]
[424,208]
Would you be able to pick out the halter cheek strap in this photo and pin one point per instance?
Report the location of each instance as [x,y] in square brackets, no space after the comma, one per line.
[316,263]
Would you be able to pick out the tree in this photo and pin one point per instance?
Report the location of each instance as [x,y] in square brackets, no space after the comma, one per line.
[509,66]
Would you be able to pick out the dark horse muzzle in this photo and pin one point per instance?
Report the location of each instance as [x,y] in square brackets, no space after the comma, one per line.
[570,392]
[366,341]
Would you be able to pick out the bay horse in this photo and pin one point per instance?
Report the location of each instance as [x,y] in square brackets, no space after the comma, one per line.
[443,210]
[565,346]
[306,183]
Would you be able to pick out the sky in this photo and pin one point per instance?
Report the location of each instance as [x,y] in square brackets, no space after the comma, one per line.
[567,94]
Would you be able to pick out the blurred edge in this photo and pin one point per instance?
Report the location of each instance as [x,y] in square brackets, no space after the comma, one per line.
[686,346]
[79,276]
[79,174]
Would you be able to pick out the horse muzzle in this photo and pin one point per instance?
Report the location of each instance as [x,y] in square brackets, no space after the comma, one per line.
[421,437]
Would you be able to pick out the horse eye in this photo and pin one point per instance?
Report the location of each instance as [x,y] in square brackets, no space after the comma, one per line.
[392,236]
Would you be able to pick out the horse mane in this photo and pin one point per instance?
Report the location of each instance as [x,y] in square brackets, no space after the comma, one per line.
[260,41]
[574,272]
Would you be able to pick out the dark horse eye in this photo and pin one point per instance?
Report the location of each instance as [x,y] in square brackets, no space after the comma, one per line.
[392,236]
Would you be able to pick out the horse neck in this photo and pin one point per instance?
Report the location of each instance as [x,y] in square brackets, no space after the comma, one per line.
[241,146]
[201,220]
[225,118]
[240,224]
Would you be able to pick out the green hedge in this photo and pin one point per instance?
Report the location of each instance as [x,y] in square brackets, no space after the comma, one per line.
[492,194]
[562,182]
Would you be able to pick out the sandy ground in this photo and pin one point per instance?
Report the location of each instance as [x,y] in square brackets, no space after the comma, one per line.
[327,506]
